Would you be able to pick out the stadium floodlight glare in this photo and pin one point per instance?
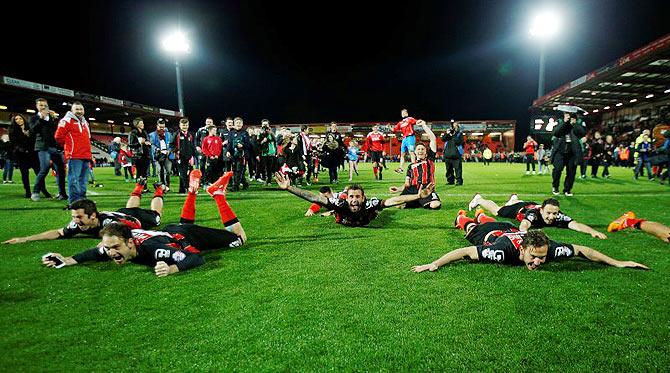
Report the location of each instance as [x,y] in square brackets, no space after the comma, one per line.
[97,109]
[619,104]
[31,111]
[595,110]
[666,91]
[91,119]
[544,27]
[649,95]
[633,100]
[110,121]
[3,107]
[177,44]
[606,108]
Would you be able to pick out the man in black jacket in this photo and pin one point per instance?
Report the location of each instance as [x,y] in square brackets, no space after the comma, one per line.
[566,151]
[224,133]
[183,148]
[238,148]
[140,146]
[453,139]
[43,127]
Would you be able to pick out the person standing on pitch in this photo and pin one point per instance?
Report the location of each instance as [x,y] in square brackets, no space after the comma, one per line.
[184,151]
[529,146]
[43,127]
[566,151]
[453,144]
[140,148]
[406,126]
[74,135]
[160,141]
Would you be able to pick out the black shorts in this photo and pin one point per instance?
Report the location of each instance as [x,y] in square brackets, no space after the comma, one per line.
[376,156]
[513,209]
[205,238]
[478,233]
[422,202]
[148,218]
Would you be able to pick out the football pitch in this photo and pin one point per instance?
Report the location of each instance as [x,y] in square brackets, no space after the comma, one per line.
[306,294]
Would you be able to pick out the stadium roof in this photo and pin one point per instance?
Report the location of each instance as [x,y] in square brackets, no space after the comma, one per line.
[17,95]
[638,77]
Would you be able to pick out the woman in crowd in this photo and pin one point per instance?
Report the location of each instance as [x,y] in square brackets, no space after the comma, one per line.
[23,145]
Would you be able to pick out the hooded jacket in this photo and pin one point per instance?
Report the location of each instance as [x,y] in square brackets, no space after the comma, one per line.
[75,137]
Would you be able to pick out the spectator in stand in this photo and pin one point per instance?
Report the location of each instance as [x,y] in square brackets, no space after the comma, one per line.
[238,148]
[74,135]
[540,154]
[43,127]
[529,147]
[212,146]
[268,148]
[113,151]
[125,157]
[6,159]
[23,145]
[183,147]
[644,152]
[597,153]
[453,145]
[139,147]
[608,155]
[160,150]
[566,151]
[200,134]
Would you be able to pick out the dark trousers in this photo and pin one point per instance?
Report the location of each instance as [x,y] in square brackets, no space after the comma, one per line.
[239,168]
[184,168]
[454,168]
[567,161]
[582,167]
[141,166]
[47,158]
[530,160]
[310,167]
[606,168]
[269,165]
[595,163]
[164,168]
[117,167]
[25,163]
[213,169]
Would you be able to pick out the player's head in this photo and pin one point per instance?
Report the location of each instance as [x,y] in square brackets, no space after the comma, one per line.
[534,248]
[84,213]
[183,124]
[117,242]
[355,197]
[239,123]
[549,210]
[404,113]
[420,151]
[326,191]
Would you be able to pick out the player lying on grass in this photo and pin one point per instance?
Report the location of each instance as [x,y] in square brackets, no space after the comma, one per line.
[356,210]
[87,220]
[502,242]
[533,215]
[175,248]
[326,192]
[629,220]
[421,173]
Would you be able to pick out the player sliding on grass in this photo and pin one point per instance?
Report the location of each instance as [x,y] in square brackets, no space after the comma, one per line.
[176,248]
[502,242]
[629,220]
[421,173]
[87,220]
[533,215]
[356,210]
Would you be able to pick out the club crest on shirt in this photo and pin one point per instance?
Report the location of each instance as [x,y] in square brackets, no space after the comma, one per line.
[178,256]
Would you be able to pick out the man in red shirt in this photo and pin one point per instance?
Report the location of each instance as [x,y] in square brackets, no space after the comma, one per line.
[211,150]
[74,135]
[530,145]
[406,126]
[375,144]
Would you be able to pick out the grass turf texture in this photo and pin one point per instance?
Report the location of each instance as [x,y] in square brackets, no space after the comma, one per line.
[307,294]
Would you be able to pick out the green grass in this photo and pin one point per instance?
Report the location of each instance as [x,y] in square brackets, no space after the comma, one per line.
[307,294]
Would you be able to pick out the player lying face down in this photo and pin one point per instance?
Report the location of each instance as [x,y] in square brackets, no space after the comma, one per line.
[356,210]
[502,242]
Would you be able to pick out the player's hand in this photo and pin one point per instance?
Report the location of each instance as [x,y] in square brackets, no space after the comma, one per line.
[52,264]
[426,267]
[423,193]
[282,180]
[309,213]
[631,265]
[15,240]
[597,234]
[162,269]
[328,213]
[394,189]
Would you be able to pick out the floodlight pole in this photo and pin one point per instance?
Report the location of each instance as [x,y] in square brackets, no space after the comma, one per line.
[180,90]
[540,86]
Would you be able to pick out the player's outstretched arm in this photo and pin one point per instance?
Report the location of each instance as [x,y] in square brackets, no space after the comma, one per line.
[162,269]
[423,193]
[68,260]
[48,235]
[285,183]
[579,227]
[524,226]
[430,134]
[596,256]
[452,256]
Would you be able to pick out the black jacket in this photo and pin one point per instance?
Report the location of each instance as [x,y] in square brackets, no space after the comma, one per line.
[23,145]
[451,144]
[44,131]
[560,144]
[182,145]
[238,137]
[139,151]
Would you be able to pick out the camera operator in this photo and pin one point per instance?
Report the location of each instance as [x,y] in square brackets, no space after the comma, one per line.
[268,145]
[566,151]
[453,145]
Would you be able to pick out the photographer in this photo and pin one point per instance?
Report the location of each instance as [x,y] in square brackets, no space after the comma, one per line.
[453,145]
[566,151]
[268,148]
[160,141]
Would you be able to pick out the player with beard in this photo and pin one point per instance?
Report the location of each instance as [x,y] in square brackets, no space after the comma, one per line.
[421,173]
[87,220]
[502,242]
[375,144]
[406,126]
[176,248]
[356,210]
[533,215]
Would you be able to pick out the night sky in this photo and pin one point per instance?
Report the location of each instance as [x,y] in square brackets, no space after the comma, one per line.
[322,61]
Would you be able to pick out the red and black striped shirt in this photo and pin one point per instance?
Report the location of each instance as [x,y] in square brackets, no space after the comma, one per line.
[422,173]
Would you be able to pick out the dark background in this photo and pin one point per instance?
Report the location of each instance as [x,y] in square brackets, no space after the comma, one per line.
[322,61]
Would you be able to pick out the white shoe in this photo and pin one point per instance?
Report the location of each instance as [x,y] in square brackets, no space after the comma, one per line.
[475,202]
[533,172]
[527,172]
[512,199]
